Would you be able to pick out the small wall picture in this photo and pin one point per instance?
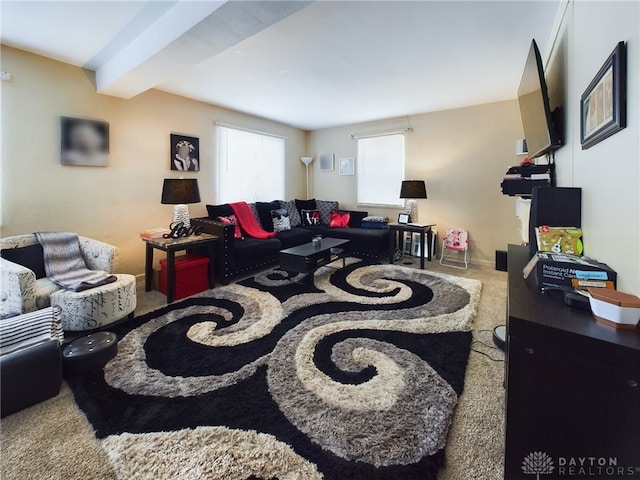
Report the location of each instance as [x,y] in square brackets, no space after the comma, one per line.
[185,153]
[347,166]
[84,142]
[326,162]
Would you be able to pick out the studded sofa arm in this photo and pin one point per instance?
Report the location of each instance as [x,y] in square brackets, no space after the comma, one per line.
[224,249]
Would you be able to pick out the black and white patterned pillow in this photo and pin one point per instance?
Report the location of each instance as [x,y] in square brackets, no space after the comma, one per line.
[280,219]
[325,208]
[294,214]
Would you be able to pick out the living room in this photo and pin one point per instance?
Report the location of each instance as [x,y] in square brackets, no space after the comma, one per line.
[461,152]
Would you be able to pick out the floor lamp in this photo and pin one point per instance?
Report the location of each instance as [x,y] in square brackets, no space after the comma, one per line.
[307,161]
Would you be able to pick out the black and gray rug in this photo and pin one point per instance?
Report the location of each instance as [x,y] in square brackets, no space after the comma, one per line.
[356,378]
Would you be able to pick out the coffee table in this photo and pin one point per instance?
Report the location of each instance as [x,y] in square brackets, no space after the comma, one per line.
[308,258]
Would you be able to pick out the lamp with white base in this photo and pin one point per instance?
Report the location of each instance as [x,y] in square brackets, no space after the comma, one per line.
[412,189]
[179,192]
[307,161]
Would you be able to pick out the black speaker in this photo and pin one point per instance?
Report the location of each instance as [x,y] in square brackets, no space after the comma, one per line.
[556,207]
[501,260]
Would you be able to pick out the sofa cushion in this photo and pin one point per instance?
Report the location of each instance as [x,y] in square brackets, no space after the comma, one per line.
[264,213]
[355,218]
[339,219]
[30,257]
[294,213]
[44,289]
[254,210]
[216,211]
[305,205]
[255,247]
[310,217]
[325,208]
[232,220]
[294,237]
[280,220]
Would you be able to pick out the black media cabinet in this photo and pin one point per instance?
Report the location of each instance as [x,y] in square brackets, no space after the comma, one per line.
[573,393]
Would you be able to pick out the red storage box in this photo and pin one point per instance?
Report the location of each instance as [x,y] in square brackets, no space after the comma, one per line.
[192,274]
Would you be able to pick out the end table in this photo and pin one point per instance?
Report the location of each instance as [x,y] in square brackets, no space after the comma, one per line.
[423,230]
[171,246]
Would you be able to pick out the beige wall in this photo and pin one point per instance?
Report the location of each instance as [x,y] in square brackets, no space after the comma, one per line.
[112,204]
[609,172]
[462,155]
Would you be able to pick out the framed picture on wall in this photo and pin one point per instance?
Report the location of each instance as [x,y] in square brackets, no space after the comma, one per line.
[603,106]
[326,162]
[84,142]
[347,166]
[185,153]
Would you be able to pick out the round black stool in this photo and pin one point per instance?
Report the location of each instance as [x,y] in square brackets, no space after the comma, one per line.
[89,353]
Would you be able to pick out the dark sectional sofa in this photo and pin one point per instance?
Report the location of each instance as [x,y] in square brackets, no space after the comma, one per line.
[235,257]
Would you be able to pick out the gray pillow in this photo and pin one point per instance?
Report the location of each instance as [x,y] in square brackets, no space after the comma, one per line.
[294,215]
[325,209]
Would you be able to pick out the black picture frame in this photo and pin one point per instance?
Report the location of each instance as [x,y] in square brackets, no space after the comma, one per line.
[603,105]
[403,218]
[190,147]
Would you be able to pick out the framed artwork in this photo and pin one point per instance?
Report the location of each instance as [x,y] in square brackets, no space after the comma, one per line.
[84,142]
[326,162]
[603,105]
[347,166]
[403,218]
[185,153]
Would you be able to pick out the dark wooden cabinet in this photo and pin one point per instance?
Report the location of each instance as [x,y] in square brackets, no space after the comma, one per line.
[573,393]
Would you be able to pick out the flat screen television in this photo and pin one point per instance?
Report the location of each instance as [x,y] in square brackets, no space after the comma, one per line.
[540,128]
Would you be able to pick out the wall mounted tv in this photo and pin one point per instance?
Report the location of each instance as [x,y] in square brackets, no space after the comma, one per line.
[540,124]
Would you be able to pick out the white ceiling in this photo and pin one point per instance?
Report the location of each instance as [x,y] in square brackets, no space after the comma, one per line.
[307,64]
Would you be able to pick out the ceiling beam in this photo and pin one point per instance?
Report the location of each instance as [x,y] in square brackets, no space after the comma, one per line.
[201,29]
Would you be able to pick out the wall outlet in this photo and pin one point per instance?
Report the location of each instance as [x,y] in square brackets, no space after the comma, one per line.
[5,76]
[521,147]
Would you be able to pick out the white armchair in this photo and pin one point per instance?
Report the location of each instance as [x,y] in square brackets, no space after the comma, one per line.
[21,292]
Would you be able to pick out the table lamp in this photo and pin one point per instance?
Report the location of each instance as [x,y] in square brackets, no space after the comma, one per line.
[412,190]
[179,192]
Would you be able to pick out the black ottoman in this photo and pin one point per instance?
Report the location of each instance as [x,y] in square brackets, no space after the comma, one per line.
[89,353]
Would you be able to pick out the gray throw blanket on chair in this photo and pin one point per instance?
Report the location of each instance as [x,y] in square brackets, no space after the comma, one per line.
[65,265]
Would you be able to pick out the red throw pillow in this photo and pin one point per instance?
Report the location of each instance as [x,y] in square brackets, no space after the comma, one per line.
[232,220]
[339,220]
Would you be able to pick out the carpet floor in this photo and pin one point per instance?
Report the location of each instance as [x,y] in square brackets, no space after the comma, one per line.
[54,440]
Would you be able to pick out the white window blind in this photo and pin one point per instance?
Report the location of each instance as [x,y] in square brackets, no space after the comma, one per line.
[380,170]
[250,166]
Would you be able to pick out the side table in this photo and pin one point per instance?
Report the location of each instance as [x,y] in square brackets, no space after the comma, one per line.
[401,228]
[171,246]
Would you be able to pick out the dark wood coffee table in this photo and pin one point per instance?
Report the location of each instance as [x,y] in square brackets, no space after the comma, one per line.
[308,258]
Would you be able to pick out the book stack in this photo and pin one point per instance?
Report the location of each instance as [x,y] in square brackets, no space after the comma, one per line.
[153,233]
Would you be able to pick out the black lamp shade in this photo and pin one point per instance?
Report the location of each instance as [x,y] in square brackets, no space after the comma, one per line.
[413,189]
[176,191]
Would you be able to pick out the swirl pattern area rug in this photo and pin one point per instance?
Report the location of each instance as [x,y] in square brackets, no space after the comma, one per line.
[355,378]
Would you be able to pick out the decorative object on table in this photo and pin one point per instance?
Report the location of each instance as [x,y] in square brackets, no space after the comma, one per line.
[347,166]
[185,153]
[603,105]
[611,307]
[307,161]
[455,240]
[413,190]
[316,241]
[179,230]
[403,218]
[180,192]
[296,377]
[84,142]
[326,162]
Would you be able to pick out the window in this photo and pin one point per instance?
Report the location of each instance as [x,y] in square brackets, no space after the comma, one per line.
[250,166]
[380,170]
